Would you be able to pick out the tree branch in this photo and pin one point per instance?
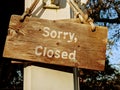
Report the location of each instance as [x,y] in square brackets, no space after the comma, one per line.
[116,20]
[94,9]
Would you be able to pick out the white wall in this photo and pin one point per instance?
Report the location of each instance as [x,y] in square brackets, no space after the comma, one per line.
[38,78]
[51,14]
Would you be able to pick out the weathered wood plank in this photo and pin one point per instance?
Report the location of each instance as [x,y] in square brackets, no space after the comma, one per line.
[58,42]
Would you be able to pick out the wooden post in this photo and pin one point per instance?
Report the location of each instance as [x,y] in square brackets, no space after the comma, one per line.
[39,78]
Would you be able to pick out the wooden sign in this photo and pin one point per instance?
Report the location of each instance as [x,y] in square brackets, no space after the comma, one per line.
[61,42]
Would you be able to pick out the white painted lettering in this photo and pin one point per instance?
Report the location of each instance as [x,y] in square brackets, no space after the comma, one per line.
[69,36]
[64,55]
[44,51]
[57,54]
[46,30]
[72,56]
[75,39]
[50,53]
[53,34]
[59,34]
[65,35]
[37,50]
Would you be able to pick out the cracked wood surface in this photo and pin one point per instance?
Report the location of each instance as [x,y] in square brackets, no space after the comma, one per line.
[24,37]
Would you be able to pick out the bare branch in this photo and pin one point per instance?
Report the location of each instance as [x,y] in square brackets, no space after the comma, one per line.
[95,6]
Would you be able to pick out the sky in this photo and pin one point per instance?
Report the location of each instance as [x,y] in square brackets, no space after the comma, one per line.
[114,50]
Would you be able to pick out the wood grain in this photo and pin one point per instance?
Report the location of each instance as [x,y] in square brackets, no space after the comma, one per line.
[24,37]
